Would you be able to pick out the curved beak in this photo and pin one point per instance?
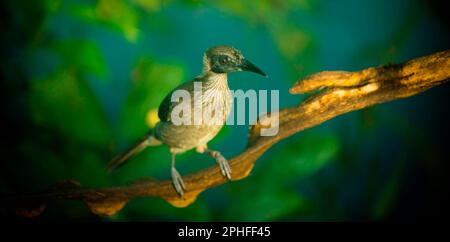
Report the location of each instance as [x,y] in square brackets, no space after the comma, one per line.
[248,66]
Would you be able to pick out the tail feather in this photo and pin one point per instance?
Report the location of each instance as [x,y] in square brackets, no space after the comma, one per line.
[136,149]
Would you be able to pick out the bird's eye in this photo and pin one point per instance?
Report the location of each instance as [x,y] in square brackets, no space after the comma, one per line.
[224,59]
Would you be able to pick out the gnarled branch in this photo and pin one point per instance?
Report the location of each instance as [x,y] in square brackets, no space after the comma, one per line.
[339,92]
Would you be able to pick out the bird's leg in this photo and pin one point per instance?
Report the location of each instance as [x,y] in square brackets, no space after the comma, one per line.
[176,178]
[221,161]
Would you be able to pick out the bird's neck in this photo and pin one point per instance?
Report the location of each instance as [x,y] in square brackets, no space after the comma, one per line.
[212,79]
[215,80]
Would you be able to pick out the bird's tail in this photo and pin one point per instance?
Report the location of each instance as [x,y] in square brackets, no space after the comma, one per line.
[137,148]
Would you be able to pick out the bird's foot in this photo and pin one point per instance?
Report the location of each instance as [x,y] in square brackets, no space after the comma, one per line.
[178,182]
[223,164]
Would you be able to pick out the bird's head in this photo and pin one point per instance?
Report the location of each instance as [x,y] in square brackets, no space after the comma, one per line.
[226,59]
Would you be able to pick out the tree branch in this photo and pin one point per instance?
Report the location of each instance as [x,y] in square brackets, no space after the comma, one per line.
[338,93]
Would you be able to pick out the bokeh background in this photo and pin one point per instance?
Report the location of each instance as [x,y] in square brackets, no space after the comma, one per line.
[81,81]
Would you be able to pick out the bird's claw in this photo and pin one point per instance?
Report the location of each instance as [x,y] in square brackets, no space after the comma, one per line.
[224,165]
[178,182]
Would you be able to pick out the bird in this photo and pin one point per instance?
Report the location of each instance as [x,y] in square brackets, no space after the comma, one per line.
[218,62]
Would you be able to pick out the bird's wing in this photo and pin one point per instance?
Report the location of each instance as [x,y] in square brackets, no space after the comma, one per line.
[166,106]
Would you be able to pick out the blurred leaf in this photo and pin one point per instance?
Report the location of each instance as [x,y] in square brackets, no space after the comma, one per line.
[83,11]
[151,81]
[262,12]
[121,15]
[117,14]
[52,5]
[267,194]
[153,162]
[65,102]
[303,157]
[149,5]
[89,170]
[238,8]
[291,41]
[83,54]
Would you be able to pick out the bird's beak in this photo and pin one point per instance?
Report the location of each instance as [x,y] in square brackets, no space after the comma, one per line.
[248,66]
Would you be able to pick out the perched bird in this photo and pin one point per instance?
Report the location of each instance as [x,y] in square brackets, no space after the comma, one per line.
[215,96]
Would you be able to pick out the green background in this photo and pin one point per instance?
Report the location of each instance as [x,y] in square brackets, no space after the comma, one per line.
[79,78]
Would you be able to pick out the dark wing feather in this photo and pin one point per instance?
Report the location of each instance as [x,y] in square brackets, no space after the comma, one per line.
[166,106]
